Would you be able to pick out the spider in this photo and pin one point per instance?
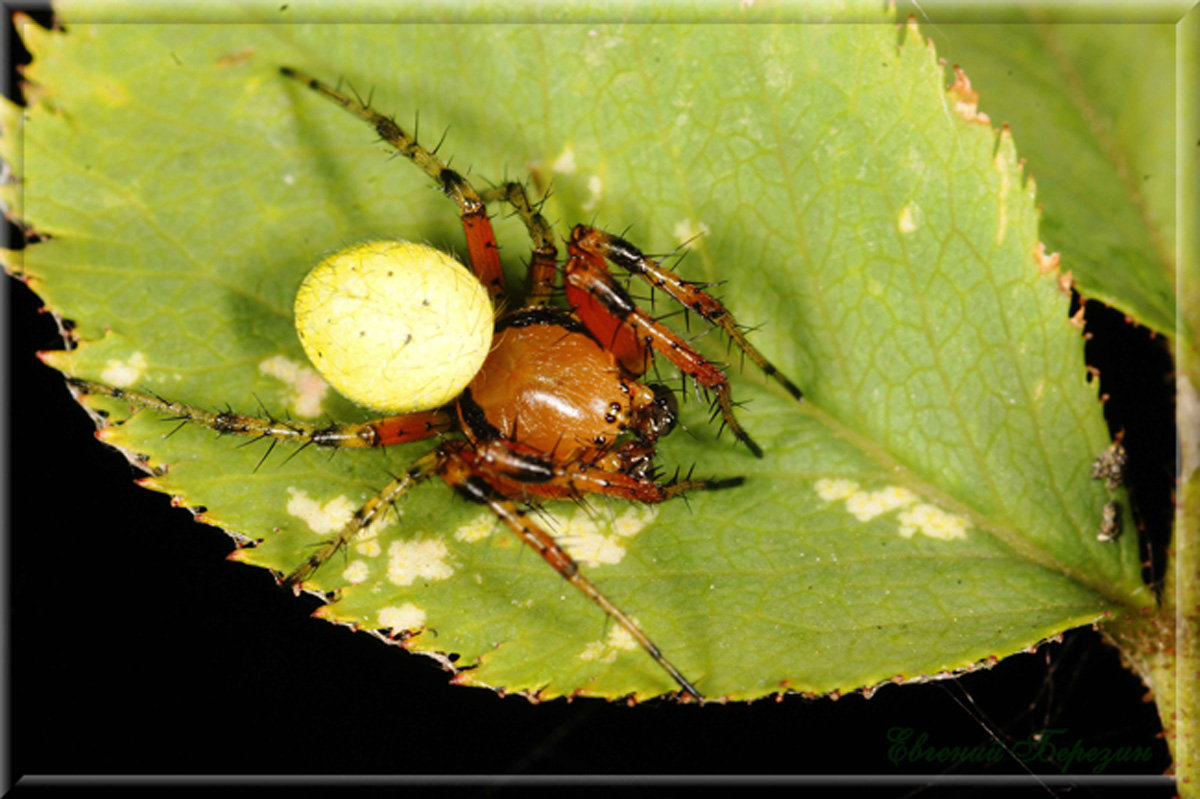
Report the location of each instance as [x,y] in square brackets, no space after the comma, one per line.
[558,409]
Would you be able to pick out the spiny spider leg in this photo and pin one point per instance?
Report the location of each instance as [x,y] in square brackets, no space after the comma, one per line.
[375,507]
[587,275]
[383,432]
[460,465]
[691,296]
[510,465]
[481,241]
[543,265]
[460,475]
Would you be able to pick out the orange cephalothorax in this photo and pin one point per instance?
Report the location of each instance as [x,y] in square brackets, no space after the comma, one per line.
[549,385]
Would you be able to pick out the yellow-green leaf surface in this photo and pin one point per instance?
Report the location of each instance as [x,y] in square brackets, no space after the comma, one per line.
[928,507]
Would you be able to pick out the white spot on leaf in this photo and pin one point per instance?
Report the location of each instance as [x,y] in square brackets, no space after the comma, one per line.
[866,506]
[933,522]
[406,617]
[356,572]
[477,529]
[923,518]
[619,640]
[422,559]
[593,540]
[688,232]
[910,218]
[635,519]
[565,163]
[123,374]
[306,388]
[321,519]
[596,190]
[833,490]
[370,546]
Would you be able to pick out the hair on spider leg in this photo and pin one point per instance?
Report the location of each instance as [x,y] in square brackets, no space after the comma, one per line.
[686,312]
[392,476]
[438,146]
[538,510]
[366,104]
[683,249]
[263,410]
[392,506]
[721,429]
[741,403]
[297,451]
[624,234]
[267,454]
[182,424]
[342,81]
[715,408]
[691,471]
[540,204]
[700,334]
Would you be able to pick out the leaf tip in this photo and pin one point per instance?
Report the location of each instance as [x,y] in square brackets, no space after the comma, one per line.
[965,100]
[13,262]
[37,39]
[1066,282]
[912,30]
[1006,150]
[60,360]
[1046,262]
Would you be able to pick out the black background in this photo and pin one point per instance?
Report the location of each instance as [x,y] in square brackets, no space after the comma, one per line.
[135,648]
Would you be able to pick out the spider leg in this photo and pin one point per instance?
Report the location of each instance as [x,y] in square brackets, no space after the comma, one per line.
[375,507]
[383,432]
[543,265]
[459,473]
[602,303]
[512,467]
[690,295]
[481,241]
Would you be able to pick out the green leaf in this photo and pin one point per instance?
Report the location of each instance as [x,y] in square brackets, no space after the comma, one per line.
[1093,109]
[929,507]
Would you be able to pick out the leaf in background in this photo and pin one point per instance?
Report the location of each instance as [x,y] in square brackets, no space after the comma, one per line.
[1093,109]
[927,508]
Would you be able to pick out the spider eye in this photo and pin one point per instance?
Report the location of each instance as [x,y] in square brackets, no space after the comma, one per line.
[660,416]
